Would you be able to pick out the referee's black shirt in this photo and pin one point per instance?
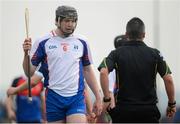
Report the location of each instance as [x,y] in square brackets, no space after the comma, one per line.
[136,67]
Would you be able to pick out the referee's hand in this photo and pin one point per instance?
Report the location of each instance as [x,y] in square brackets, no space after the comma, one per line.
[170,111]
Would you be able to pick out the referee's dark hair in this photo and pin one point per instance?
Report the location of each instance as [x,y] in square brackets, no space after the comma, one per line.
[135,29]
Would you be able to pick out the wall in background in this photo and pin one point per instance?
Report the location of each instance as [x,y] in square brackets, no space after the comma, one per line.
[0,44]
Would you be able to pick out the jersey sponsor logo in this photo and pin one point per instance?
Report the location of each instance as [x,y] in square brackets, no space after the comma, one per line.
[65,46]
[52,46]
[76,47]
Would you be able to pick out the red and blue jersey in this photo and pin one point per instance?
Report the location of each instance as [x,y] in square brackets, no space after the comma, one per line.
[27,111]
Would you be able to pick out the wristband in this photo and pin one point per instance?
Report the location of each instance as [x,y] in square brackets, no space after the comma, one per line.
[108,99]
[172,104]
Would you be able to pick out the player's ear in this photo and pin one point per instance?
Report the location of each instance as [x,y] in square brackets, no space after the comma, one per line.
[143,35]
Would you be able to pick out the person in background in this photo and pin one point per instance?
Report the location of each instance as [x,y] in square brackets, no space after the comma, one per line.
[137,65]
[3,113]
[119,41]
[22,110]
[106,116]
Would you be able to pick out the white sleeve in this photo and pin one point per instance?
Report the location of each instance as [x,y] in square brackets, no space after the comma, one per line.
[38,73]
[112,80]
[36,43]
[34,47]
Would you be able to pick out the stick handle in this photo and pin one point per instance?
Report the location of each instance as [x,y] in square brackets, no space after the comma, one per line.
[29,80]
[28,57]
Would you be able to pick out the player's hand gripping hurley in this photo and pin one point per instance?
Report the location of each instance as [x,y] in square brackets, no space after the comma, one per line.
[28,56]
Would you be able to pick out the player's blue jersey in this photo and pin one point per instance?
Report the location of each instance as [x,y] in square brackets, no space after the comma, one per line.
[62,61]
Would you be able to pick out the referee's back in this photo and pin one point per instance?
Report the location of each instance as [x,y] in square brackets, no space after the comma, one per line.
[136,71]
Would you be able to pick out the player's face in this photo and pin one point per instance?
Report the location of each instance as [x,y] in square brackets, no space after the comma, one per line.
[68,25]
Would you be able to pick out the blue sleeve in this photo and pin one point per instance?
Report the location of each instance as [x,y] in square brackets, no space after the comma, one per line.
[39,54]
[86,54]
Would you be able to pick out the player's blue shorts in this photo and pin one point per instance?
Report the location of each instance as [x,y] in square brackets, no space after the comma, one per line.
[58,107]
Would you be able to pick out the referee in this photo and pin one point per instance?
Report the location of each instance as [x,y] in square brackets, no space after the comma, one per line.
[136,67]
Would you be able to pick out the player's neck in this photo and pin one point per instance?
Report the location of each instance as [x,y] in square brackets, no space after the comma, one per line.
[60,33]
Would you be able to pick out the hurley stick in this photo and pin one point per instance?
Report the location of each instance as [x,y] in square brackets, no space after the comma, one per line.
[28,56]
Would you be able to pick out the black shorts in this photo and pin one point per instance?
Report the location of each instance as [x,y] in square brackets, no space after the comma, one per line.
[135,114]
